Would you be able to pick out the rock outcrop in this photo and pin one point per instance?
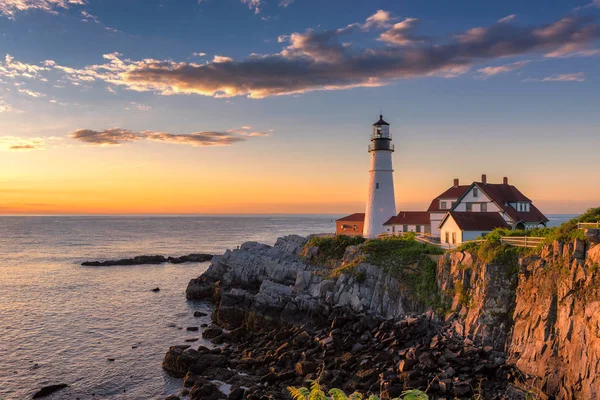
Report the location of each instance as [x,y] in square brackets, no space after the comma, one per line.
[142,260]
[285,320]
[273,284]
[545,314]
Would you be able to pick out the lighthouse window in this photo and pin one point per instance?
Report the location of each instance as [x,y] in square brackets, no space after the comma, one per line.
[377,185]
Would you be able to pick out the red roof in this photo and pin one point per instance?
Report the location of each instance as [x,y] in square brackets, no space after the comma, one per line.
[502,194]
[451,194]
[477,221]
[410,218]
[356,217]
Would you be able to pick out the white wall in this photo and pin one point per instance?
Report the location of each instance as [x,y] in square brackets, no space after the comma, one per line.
[435,219]
[450,227]
[480,198]
[399,229]
[381,201]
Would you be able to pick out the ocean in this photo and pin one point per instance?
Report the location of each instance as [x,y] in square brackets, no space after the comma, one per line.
[101,330]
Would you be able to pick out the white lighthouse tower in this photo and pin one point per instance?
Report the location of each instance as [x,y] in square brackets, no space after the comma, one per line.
[381,203]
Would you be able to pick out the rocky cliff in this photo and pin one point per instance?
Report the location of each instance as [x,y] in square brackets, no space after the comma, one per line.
[541,308]
[266,285]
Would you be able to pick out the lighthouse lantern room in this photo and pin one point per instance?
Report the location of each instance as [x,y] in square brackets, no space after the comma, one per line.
[381,202]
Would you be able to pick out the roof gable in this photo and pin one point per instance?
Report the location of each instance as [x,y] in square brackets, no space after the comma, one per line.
[410,218]
[452,193]
[476,221]
[356,217]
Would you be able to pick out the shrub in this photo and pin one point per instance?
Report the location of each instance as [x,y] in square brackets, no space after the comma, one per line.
[317,393]
[331,249]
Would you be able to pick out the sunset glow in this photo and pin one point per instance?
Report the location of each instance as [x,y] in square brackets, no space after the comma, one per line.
[103,112]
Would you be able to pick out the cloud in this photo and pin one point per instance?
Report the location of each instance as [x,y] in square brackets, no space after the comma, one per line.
[113,136]
[198,54]
[10,8]
[318,60]
[573,77]
[31,93]
[571,50]
[118,136]
[508,18]
[253,5]
[381,19]
[285,3]
[14,143]
[221,59]
[138,106]
[87,17]
[4,106]
[15,69]
[398,34]
[501,69]
[325,60]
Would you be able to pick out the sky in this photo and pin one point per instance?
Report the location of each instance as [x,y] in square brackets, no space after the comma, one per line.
[266,106]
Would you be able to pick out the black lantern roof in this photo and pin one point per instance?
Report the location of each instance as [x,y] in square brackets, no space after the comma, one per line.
[380,122]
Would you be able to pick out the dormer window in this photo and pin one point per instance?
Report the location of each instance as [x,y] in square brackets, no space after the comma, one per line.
[475,192]
[443,205]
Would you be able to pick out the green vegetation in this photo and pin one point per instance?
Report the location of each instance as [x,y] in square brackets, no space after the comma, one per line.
[491,250]
[403,257]
[394,253]
[317,393]
[331,249]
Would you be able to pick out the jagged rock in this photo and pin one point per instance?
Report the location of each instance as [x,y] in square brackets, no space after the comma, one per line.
[178,360]
[210,333]
[593,235]
[48,390]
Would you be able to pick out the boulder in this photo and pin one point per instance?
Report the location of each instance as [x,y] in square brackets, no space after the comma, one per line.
[48,390]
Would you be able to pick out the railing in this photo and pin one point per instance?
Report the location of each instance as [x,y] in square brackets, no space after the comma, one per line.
[522,241]
[588,225]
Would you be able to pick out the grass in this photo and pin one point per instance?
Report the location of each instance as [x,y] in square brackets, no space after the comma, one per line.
[402,257]
[331,249]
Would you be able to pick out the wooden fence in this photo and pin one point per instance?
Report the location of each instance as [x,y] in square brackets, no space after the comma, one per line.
[522,241]
[588,225]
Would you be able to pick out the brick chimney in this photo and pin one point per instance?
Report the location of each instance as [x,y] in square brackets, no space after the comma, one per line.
[505,180]
[455,182]
[484,179]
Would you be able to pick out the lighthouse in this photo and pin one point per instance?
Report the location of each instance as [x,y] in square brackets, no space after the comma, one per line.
[381,203]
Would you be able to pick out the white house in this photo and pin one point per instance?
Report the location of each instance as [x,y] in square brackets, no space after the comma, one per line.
[408,221]
[442,204]
[484,207]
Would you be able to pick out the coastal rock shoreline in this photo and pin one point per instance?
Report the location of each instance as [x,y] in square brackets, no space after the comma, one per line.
[281,321]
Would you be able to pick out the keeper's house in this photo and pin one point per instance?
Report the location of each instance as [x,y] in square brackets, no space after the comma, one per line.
[484,207]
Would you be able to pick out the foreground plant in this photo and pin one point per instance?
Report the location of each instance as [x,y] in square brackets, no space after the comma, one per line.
[317,393]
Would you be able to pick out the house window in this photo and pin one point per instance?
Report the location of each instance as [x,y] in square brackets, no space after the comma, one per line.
[483,207]
[469,206]
[447,237]
[355,227]
[443,205]
[377,185]
[475,192]
[453,237]
[418,228]
[404,228]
